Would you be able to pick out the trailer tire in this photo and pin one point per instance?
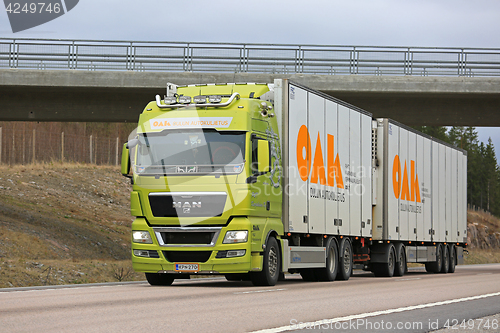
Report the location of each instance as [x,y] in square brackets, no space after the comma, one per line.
[329,273]
[401,266]
[160,279]
[435,266]
[271,265]
[345,259]
[386,269]
[445,266]
[453,257]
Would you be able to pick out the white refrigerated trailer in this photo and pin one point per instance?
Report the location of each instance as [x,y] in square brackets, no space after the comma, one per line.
[379,193]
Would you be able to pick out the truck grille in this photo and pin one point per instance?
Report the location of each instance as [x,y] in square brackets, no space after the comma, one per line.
[187,236]
[187,256]
[194,238]
[187,204]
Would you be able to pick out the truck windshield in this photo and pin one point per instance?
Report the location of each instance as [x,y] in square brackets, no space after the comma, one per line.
[196,151]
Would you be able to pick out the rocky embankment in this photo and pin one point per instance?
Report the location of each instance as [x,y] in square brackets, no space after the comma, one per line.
[483,230]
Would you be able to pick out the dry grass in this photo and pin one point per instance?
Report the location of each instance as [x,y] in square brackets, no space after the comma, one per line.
[477,256]
[23,273]
[68,217]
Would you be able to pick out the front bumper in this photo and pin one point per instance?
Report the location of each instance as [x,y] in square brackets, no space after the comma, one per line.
[160,262]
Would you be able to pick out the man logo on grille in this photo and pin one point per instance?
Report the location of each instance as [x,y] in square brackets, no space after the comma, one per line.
[186,206]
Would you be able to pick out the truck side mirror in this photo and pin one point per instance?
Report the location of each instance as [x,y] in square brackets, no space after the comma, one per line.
[264,156]
[125,160]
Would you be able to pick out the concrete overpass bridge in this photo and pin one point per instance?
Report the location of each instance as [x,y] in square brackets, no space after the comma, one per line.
[62,80]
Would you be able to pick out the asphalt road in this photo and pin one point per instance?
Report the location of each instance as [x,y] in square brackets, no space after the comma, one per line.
[215,305]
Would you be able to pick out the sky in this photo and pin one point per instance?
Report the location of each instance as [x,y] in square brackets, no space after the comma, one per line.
[415,23]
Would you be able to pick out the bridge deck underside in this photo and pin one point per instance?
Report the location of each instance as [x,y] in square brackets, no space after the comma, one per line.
[38,95]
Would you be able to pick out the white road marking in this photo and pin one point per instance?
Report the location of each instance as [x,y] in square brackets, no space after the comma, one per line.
[258,291]
[66,287]
[321,323]
[411,279]
[484,273]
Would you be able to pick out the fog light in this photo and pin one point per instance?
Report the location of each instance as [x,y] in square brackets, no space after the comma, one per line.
[141,253]
[235,253]
[230,254]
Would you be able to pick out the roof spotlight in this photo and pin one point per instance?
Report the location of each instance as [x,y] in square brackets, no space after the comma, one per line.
[184,99]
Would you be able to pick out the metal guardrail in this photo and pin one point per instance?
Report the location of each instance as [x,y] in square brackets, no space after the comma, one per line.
[246,58]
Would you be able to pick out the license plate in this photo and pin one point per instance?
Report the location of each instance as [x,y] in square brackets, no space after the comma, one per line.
[187,267]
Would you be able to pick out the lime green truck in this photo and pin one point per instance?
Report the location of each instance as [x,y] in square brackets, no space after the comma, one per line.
[251,181]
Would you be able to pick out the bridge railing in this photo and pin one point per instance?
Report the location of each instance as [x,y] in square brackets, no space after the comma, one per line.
[247,58]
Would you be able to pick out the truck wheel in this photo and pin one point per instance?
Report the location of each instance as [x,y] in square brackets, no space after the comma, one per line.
[401,266]
[386,269]
[345,259]
[446,260]
[329,273]
[435,266]
[270,267]
[159,279]
[452,257]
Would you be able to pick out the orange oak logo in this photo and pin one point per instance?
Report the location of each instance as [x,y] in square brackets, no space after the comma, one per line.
[410,192]
[317,171]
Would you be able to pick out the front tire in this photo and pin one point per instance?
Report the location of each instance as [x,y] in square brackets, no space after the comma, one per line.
[159,279]
[345,259]
[270,267]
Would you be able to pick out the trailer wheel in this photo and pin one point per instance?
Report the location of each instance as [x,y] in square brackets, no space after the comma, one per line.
[329,273]
[159,279]
[445,266]
[452,257]
[401,266]
[345,259]
[435,266]
[270,267]
[386,269]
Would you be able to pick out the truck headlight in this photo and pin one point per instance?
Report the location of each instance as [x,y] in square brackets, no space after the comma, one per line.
[240,236]
[142,237]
